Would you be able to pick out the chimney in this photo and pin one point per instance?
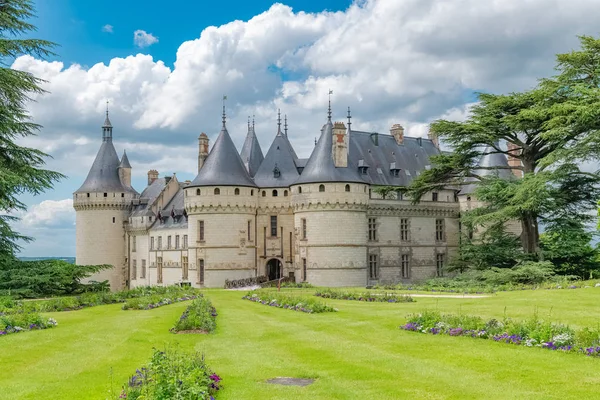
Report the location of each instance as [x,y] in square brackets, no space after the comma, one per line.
[152,176]
[202,150]
[513,159]
[397,131]
[340,145]
[435,139]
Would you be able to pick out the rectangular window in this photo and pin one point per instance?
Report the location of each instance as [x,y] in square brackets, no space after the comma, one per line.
[201,271]
[249,230]
[439,230]
[439,264]
[152,243]
[373,266]
[143,272]
[176,241]
[201,231]
[185,242]
[405,264]
[304,269]
[134,270]
[159,265]
[434,196]
[303,228]
[169,242]
[372,229]
[404,236]
[160,242]
[273,225]
[184,272]
[133,244]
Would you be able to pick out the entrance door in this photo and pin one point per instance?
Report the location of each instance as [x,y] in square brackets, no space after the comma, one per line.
[274,269]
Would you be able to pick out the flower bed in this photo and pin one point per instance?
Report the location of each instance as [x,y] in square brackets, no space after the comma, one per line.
[200,316]
[155,301]
[303,304]
[172,375]
[95,299]
[24,321]
[381,297]
[532,333]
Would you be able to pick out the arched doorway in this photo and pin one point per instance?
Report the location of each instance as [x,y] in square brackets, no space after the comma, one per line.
[274,269]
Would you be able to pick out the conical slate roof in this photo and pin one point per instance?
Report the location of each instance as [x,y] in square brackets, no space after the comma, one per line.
[251,154]
[104,174]
[488,160]
[124,161]
[320,166]
[278,168]
[223,166]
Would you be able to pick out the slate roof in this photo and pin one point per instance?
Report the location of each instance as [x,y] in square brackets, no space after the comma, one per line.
[125,161]
[147,197]
[251,154]
[281,156]
[104,174]
[173,215]
[488,160]
[380,153]
[320,166]
[223,166]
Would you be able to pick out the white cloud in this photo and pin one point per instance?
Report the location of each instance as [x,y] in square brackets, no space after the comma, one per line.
[107,28]
[406,62]
[50,214]
[144,39]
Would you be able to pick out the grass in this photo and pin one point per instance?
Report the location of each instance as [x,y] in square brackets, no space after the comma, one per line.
[356,353]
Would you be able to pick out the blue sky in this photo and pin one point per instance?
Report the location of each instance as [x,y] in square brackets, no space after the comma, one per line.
[392,61]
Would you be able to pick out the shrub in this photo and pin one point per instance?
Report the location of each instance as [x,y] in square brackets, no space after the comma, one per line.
[200,315]
[172,375]
[381,297]
[274,299]
[24,321]
[156,300]
[533,332]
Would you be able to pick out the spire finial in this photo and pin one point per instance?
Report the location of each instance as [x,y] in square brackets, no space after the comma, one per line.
[107,108]
[349,118]
[248,122]
[252,121]
[329,109]
[278,121]
[224,117]
[285,124]
[315,141]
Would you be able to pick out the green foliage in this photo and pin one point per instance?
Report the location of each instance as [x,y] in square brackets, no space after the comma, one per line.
[172,375]
[151,301]
[389,192]
[23,321]
[46,278]
[554,128]
[568,247]
[492,247]
[21,168]
[295,303]
[200,315]
[381,297]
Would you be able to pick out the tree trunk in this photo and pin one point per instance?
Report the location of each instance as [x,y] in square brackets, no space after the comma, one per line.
[530,235]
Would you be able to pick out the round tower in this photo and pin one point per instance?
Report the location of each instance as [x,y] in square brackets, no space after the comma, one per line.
[102,205]
[221,207]
[330,202]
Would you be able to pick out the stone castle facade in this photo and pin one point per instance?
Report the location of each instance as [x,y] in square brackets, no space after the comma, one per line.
[320,220]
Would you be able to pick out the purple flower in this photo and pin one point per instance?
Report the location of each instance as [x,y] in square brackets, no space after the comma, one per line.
[215,377]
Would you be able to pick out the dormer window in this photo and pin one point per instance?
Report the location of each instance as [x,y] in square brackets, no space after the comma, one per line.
[362,167]
[276,172]
[394,170]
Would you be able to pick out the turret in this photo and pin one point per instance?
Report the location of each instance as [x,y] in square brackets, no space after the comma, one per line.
[102,205]
[251,154]
[202,150]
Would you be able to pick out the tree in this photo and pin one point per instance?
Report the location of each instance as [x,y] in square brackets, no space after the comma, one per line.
[550,129]
[21,168]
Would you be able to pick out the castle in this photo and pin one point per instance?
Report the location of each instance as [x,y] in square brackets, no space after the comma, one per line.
[320,220]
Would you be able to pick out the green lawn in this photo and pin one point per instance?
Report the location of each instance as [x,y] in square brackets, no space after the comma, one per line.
[356,353]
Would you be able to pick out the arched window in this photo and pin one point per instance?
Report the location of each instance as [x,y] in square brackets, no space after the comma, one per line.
[236,191]
[197,192]
[321,188]
[299,189]
[347,188]
[264,194]
[217,191]
[468,198]
[274,193]
[285,193]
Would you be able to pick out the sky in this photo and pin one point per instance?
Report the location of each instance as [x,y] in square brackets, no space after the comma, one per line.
[165,66]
